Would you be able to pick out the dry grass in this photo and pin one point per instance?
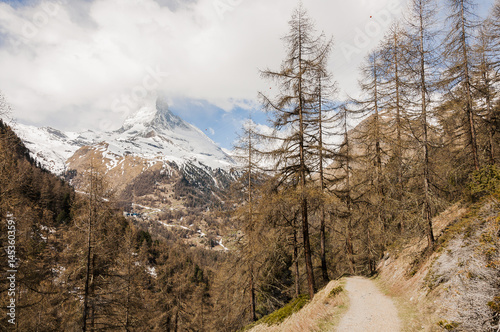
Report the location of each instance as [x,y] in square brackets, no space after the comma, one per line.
[409,311]
[321,314]
[403,272]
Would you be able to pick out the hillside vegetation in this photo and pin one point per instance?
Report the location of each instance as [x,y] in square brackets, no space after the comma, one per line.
[320,314]
[456,287]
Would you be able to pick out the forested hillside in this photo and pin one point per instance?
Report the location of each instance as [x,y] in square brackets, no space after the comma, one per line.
[427,136]
[81,265]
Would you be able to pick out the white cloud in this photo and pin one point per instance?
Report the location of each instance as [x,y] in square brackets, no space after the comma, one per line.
[84,57]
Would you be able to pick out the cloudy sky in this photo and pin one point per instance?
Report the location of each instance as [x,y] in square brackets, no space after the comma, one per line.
[88,64]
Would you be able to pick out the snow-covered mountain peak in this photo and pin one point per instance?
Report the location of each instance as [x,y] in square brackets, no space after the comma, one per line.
[152,133]
[154,114]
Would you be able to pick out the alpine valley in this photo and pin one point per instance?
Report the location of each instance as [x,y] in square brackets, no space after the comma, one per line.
[163,171]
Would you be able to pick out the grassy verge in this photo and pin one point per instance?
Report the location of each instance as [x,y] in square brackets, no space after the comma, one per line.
[407,310]
[320,314]
[280,315]
[339,299]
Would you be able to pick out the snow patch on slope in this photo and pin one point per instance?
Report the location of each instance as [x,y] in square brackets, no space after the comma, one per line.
[50,147]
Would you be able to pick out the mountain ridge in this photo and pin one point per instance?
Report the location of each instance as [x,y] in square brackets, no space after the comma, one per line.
[153,132]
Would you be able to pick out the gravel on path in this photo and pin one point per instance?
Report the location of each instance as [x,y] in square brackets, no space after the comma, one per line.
[369,309]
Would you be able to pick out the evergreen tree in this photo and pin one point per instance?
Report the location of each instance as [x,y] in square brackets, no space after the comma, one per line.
[421,20]
[293,111]
[457,77]
[484,78]
[325,92]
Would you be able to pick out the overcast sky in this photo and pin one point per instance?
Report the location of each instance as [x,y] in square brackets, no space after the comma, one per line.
[87,64]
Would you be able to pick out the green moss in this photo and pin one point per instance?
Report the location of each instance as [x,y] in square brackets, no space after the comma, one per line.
[280,315]
[336,291]
[485,181]
[447,325]
[495,304]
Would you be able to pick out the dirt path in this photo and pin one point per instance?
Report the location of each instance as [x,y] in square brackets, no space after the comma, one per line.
[369,309]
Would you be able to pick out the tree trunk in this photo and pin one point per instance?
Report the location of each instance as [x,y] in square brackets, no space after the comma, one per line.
[89,253]
[350,248]
[324,268]
[127,304]
[349,245]
[92,293]
[322,230]
[302,177]
[176,321]
[252,291]
[427,206]
[399,144]
[296,260]
[307,250]
[467,87]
